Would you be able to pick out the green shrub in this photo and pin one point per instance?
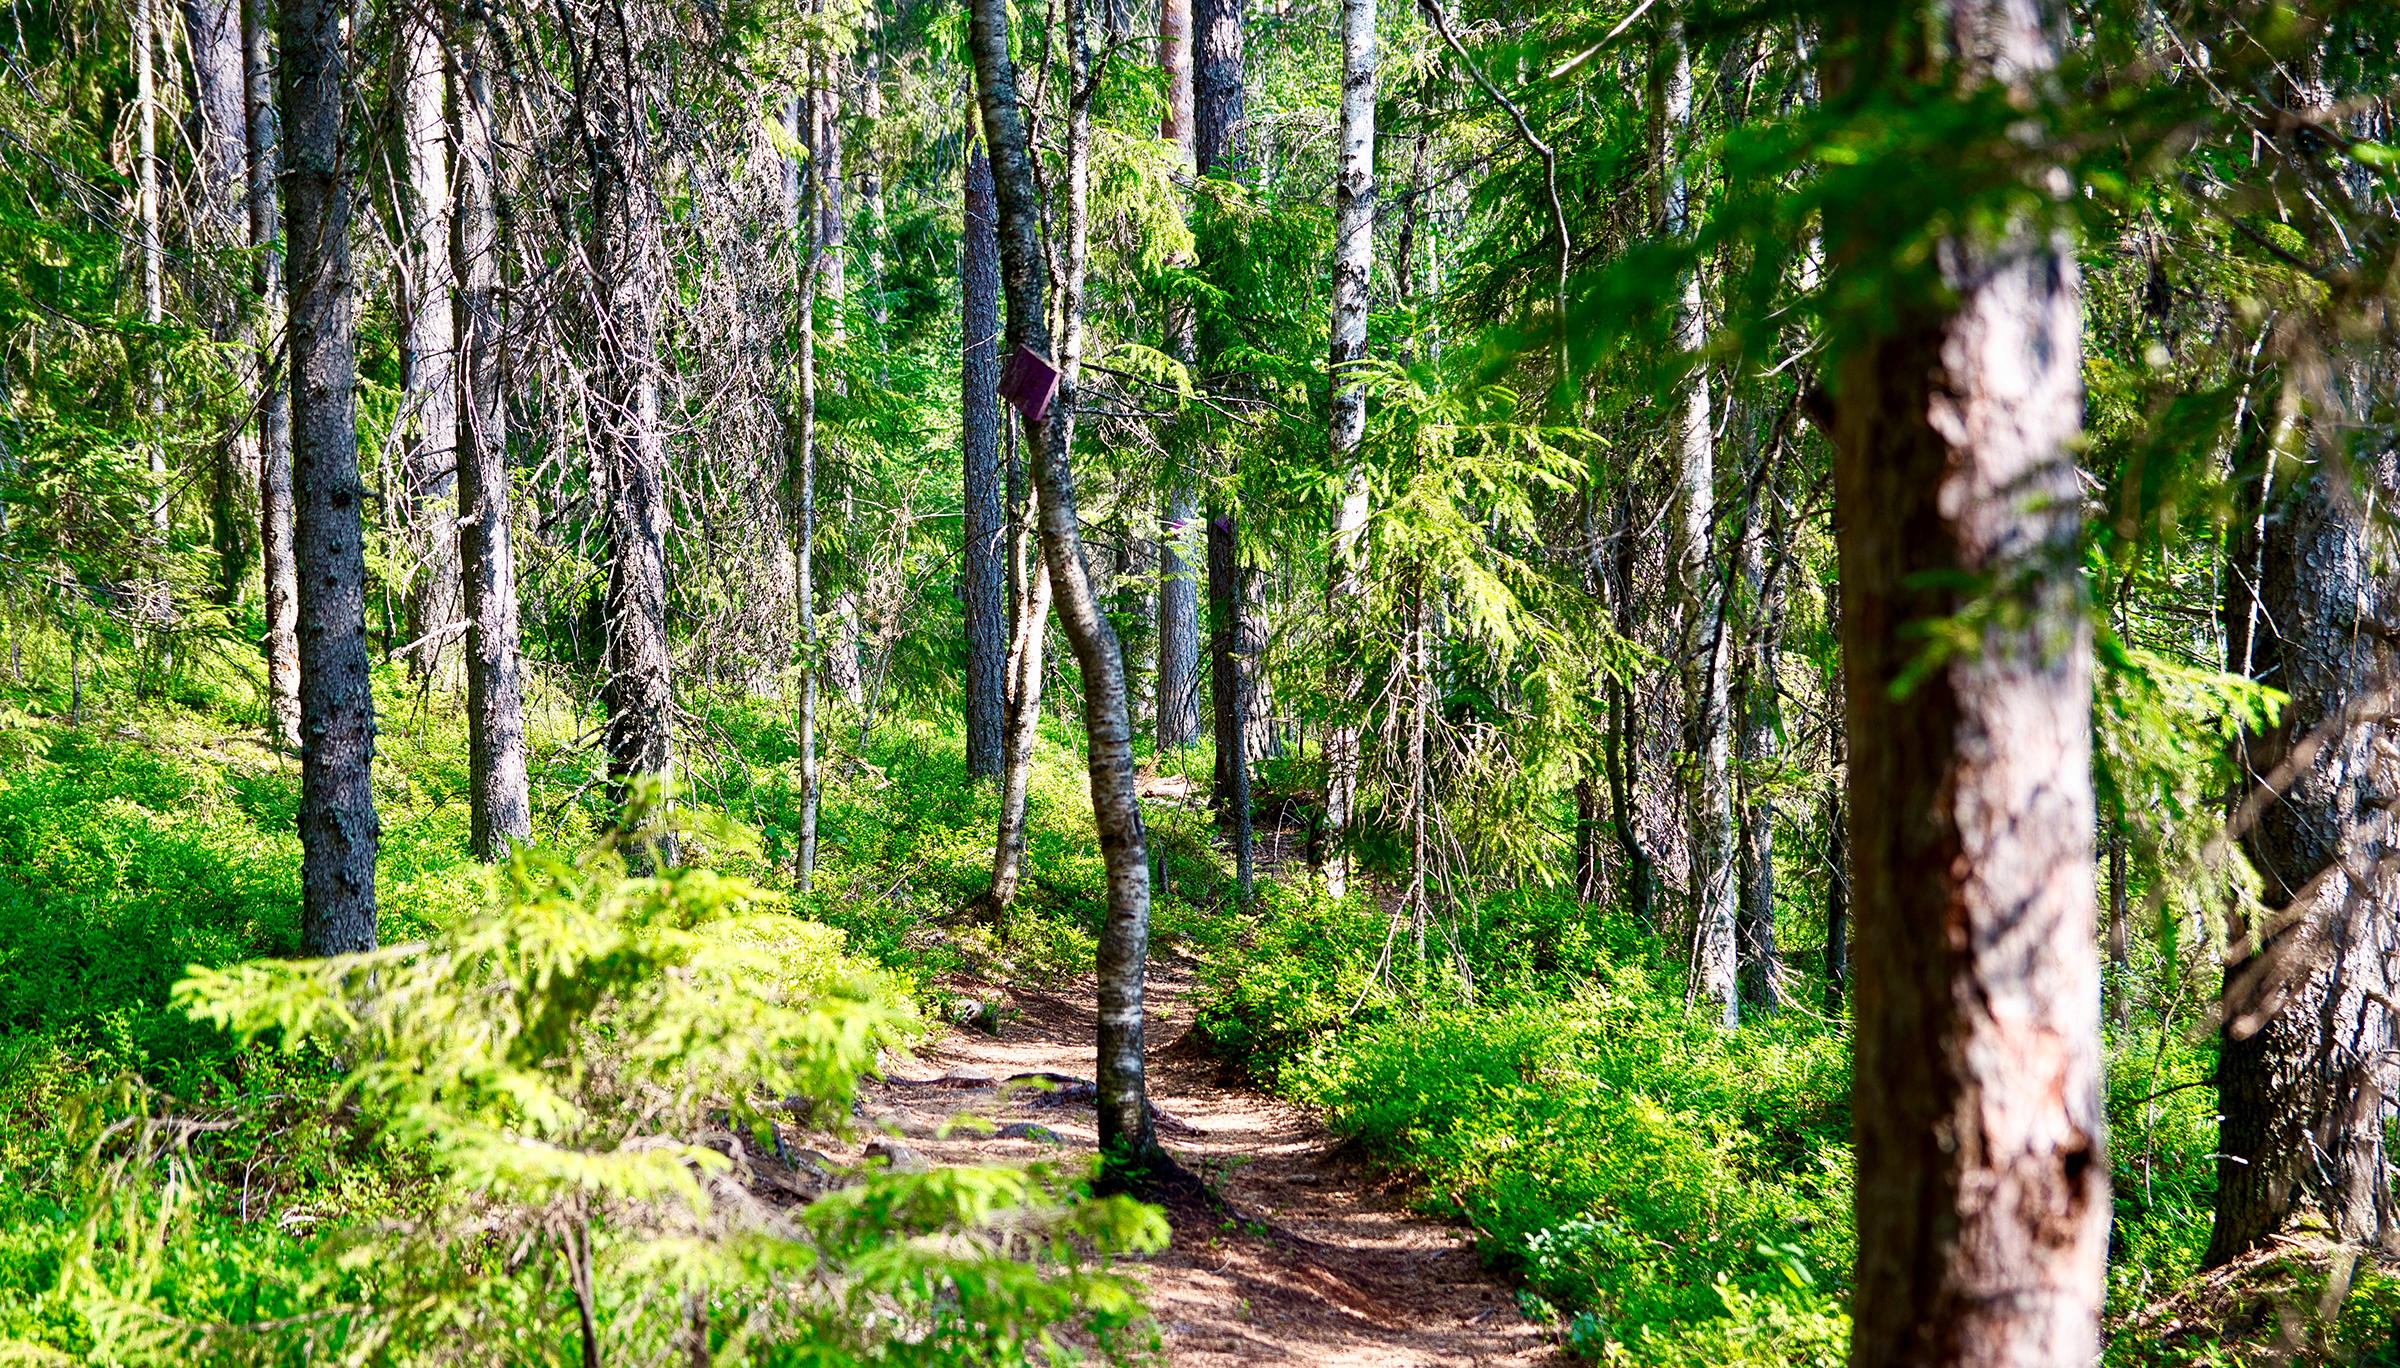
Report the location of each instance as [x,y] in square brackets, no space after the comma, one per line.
[1644,1171]
[582,1076]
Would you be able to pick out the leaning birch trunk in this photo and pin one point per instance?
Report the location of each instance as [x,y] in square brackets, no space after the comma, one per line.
[499,806]
[1982,1202]
[1128,1145]
[1698,587]
[429,387]
[338,829]
[1353,266]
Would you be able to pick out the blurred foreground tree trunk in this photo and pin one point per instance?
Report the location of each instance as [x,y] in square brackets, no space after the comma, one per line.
[1982,1203]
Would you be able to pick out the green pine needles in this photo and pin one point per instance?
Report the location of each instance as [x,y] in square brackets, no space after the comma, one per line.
[588,1078]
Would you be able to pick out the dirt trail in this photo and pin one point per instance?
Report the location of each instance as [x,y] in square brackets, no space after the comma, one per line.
[1365,1283]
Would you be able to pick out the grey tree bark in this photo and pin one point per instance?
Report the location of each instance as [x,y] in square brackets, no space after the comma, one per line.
[428,350]
[499,804]
[833,280]
[220,157]
[1624,725]
[157,596]
[1128,1144]
[979,436]
[804,551]
[278,569]
[2308,1035]
[1025,675]
[1757,702]
[1353,266]
[1179,555]
[1708,647]
[338,828]
[625,256]
[1982,1203]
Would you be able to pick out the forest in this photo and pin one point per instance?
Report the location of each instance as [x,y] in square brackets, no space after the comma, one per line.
[1458,682]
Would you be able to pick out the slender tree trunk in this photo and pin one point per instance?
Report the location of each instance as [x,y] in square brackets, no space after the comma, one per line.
[1982,1202]
[428,365]
[812,662]
[1353,266]
[833,281]
[1761,964]
[1417,660]
[1178,594]
[2306,1061]
[1624,741]
[213,30]
[986,530]
[2119,929]
[338,828]
[1837,898]
[1127,1143]
[1026,671]
[626,256]
[500,807]
[1708,646]
[158,602]
[278,569]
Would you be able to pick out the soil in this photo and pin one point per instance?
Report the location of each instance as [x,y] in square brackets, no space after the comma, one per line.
[1324,1264]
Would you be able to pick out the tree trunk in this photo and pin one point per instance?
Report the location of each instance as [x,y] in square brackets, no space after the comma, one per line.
[986,528]
[833,280]
[500,807]
[1128,1145]
[1761,964]
[626,257]
[804,552]
[1220,138]
[1353,267]
[2119,929]
[1982,1203]
[1837,898]
[1624,758]
[1178,552]
[277,567]
[213,29]
[429,383]
[2305,1065]
[1708,653]
[157,596]
[1025,661]
[338,829]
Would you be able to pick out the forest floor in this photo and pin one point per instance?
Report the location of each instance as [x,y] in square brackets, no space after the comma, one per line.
[1318,1262]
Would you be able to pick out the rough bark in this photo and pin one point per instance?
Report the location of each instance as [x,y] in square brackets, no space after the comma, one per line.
[1982,1204]
[986,522]
[2306,1061]
[338,828]
[1228,635]
[625,254]
[1219,135]
[1178,703]
[1761,970]
[833,282]
[1026,671]
[428,351]
[1624,741]
[1127,1142]
[1699,586]
[804,550]
[1353,266]
[500,807]
[278,570]
[157,595]
[220,164]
